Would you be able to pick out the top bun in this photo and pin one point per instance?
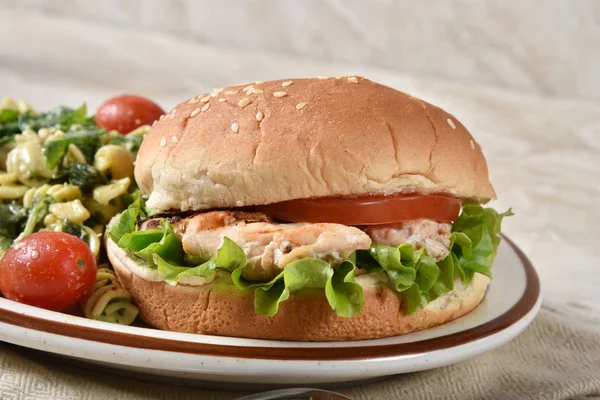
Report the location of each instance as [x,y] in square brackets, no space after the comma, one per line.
[274,141]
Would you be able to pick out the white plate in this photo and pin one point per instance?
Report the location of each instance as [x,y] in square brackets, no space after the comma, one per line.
[512,301]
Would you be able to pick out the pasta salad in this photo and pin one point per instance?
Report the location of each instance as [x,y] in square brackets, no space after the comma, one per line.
[62,172]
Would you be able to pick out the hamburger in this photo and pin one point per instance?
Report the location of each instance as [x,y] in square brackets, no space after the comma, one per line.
[322,209]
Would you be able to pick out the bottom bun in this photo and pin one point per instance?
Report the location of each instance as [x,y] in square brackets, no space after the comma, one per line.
[224,310]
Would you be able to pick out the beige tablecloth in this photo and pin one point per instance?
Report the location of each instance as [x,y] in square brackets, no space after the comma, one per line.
[555,358]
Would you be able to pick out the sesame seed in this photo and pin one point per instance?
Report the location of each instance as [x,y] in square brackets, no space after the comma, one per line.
[322,77]
[248,88]
[154,123]
[337,77]
[222,100]
[253,91]
[235,127]
[205,99]
[259,82]
[174,139]
[472,144]
[163,142]
[195,112]
[244,102]
[279,94]
[451,123]
[206,107]
[231,91]
[300,106]
[352,79]
[259,116]
[161,117]
[286,83]
[193,100]
[218,90]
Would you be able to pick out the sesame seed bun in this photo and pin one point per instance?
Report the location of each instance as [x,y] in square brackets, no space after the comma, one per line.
[281,140]
[206,308]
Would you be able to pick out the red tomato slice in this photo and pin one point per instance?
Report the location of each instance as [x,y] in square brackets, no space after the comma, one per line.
[367,210]
[51,270]
[127,112]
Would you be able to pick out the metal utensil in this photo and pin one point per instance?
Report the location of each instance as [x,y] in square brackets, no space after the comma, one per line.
[296,394]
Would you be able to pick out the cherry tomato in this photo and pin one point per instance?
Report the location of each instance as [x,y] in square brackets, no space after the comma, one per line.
[366,210]
[51,270]
[127,112]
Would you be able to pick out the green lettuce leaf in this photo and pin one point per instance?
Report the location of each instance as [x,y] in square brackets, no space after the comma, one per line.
[229,257]
[413,273]
[161,249]
[344,295]
[445,281]
[342,292]
[127,220]
[166,255]
[161,242]
[390,258]
[123,224]
[300,274]
[419,279]
[168,271]
[475,240]
[268,297]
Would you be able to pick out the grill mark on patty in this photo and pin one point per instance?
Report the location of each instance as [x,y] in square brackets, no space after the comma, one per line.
[214,219]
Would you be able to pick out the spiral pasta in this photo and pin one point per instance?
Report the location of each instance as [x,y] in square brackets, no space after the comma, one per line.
[93,240]
[11,192]
[107,300]
[7,178]
[72,211]
[102,213]
[106,193]
[27,161]
[115,160]
[60,193]
[49,134]
[74,154]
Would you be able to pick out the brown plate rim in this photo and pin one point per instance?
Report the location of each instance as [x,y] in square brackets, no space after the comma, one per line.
[519,310]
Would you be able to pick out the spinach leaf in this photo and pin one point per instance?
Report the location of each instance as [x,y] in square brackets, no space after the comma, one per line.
[75,230]
[37,212]
[61,117]
[13,217]
[9,125]
[130,142]
[85,176]
[87,140]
